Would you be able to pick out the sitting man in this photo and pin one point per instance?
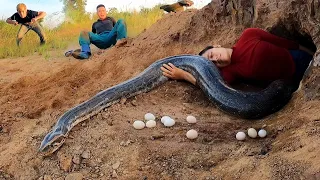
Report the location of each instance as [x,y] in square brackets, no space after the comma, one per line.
[105,33]
[28,20]
[258,57]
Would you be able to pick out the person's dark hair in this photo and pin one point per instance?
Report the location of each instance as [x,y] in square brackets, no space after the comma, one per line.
[100,5]
[204,50]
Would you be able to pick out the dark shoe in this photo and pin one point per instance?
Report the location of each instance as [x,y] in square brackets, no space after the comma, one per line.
[42,43]
[68,53]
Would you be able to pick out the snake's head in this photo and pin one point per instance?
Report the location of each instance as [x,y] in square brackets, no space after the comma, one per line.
[51,143]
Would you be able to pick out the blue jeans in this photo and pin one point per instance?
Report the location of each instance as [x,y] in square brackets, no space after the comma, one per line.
[301,60]
[105,39]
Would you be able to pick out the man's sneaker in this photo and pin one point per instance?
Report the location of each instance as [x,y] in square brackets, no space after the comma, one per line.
[68,53]
[42,43]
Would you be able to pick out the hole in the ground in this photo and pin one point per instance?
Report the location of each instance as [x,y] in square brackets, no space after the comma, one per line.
[291,29]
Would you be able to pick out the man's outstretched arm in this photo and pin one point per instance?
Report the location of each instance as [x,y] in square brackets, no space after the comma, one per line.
[171,71]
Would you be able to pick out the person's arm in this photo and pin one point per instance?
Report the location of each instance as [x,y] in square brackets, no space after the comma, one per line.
[39,15]
[93,28]
[171,71]
[11,20]
[268,37]
[302,48]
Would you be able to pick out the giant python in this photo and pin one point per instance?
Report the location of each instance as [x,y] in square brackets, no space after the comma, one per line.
[248,105]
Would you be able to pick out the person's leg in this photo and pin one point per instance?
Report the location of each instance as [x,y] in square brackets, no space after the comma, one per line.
[100,40]
[121,29]
[84,41]
[302,60]
[22,31]
[103,40]
[118,32]
[106,39]
[38,29]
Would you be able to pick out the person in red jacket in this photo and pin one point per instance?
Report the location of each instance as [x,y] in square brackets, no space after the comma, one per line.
[258,57]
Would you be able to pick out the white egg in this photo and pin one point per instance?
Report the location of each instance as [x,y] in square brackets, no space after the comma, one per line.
[241,136]
[191,119]
[192,134]
[151,123]
[169,122]
[164,118]
[262,133]
[138,124]
[252,133]
[149,116]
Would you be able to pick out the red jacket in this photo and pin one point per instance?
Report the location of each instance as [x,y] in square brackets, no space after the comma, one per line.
[260,56]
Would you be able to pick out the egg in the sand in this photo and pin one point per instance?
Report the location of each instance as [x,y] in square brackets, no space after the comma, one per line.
[139,124]
[241,136]
[192,134]
[169,122]
[262,133]
[252,133]
[164,118]
[149,116]
[151,124]
[191,119]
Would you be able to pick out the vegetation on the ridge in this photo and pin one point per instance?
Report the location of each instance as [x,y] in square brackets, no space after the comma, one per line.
[67,32]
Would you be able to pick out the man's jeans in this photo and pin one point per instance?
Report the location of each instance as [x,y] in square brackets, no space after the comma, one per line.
[105,39]
[302,60]
[35,27]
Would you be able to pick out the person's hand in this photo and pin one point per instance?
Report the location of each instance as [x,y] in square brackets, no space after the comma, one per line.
[306,50]
[15,22]
[171,71]
[33,20]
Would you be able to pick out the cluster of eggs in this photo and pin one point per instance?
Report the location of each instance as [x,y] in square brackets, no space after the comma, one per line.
[251,133]
[167,121]
[150,122]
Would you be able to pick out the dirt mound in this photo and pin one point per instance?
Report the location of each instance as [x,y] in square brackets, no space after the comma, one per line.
[35,92]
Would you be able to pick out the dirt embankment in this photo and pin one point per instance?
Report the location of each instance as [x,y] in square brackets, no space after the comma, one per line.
[34,92]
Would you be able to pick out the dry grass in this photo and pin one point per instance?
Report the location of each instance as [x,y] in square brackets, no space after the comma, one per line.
[60,37]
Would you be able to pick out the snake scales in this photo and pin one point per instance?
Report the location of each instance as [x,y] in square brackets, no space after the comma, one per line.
[248,105]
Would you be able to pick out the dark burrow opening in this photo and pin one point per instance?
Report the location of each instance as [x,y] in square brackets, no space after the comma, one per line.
[291,29]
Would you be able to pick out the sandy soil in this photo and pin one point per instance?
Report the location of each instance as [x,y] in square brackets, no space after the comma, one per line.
[35,92]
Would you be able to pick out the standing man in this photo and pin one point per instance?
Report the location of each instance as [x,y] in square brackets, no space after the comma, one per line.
[28,20]
[105,33]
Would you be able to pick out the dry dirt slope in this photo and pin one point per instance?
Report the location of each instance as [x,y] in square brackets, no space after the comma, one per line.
[35,92]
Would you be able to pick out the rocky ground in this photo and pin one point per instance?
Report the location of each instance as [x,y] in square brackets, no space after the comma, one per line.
[35,92]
